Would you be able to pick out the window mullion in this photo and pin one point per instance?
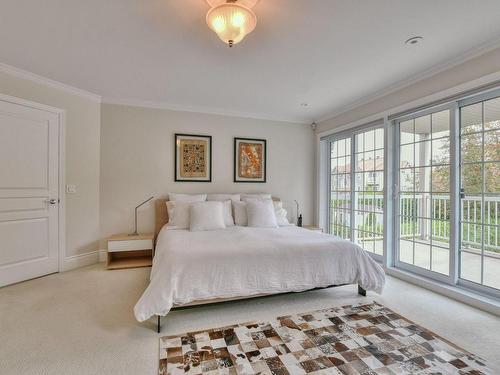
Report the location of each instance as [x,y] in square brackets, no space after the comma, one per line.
[329,189]
[389,190]
[483,190]
[455,198]
[353,188]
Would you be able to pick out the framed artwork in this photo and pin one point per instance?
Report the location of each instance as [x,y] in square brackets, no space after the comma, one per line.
[250,160]
[193,158]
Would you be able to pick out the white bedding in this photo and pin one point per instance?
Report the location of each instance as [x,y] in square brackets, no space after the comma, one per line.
[243,261]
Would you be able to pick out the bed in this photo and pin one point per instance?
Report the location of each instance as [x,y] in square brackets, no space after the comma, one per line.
[192,268]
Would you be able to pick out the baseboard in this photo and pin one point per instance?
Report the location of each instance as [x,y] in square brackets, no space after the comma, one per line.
[80,260]
[103,255]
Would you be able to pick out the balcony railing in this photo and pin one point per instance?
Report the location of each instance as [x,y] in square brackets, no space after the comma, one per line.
[416,213]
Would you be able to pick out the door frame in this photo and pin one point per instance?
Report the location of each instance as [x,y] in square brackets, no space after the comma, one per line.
[61,114]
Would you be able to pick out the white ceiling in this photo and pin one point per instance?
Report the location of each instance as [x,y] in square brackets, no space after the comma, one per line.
[327,53]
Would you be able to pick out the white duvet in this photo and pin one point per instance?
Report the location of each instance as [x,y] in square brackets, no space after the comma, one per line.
[243,261]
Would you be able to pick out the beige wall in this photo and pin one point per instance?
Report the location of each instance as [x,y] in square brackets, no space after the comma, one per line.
[473,69]
[82,157]
[137,160]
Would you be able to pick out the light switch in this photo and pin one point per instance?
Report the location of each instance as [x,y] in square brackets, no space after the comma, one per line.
[70,189]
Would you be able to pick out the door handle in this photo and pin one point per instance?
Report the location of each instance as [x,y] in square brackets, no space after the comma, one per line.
[52,201]
[462,193]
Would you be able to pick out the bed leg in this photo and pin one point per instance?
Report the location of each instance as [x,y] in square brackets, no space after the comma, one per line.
[159,321]
[361,291]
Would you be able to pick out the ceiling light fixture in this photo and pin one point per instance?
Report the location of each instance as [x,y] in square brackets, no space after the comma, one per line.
[414,40]
[231,20]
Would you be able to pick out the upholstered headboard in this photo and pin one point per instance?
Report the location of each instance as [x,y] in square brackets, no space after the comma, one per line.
[161,214]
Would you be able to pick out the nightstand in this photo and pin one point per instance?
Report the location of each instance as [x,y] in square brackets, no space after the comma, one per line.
[126,251]
[313,228]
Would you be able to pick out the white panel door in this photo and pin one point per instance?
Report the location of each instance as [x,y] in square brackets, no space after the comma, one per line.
[29,193]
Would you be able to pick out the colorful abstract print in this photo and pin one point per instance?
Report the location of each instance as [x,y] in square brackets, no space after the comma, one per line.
[250,160]
[193,162]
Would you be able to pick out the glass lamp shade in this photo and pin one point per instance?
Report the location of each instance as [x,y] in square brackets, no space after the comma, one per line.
[231,22]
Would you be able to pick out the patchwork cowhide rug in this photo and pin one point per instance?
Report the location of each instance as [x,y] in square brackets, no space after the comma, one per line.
[357,339]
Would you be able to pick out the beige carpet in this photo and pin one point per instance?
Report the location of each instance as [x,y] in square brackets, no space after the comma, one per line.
[81,322]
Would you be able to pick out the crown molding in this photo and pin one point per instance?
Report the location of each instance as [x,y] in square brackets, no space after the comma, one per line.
[200,109]
[23,74]
[436,69]
[20,73]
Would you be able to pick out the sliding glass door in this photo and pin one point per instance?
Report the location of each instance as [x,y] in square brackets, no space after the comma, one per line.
[356,202]
[480,193]
[424,202]
[448,187]
[444,179]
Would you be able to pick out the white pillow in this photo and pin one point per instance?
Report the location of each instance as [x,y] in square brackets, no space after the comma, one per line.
[223,197]
[260,213]
[281,214]
[240,213]
[206,216]
[187,197]
[178,214]
[255,196]
[278,205]
[227,213]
